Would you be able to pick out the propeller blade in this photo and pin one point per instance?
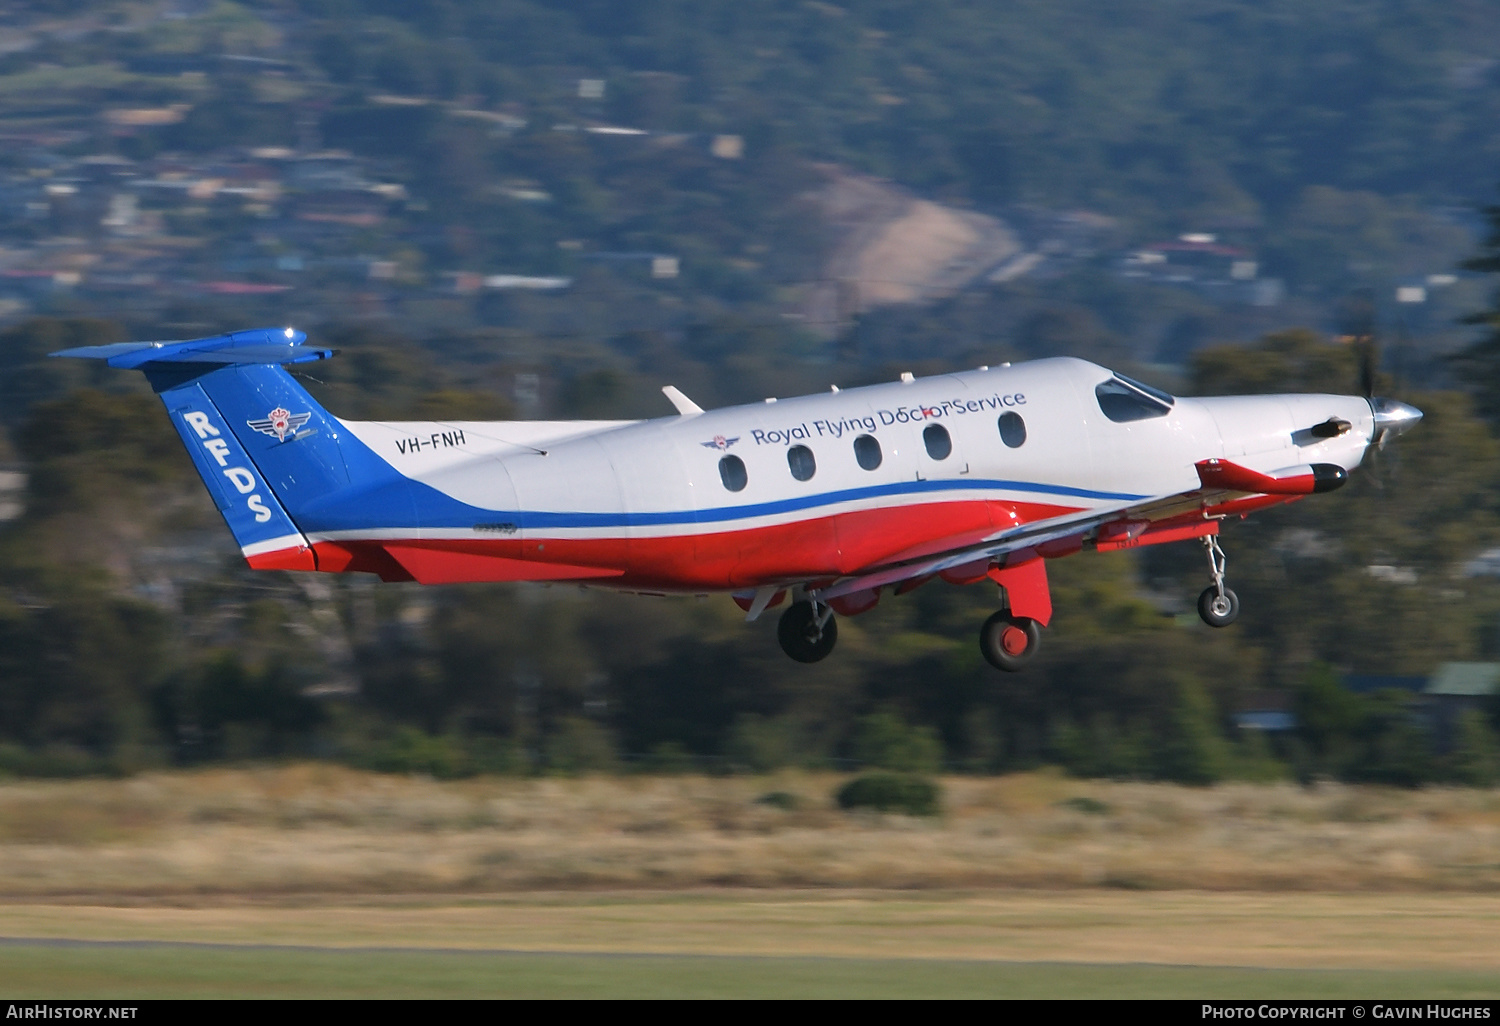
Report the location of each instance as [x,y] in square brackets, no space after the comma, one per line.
[1367,369]
[1357,327]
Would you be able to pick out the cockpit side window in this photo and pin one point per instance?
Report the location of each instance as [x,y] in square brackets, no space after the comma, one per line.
[1124,400]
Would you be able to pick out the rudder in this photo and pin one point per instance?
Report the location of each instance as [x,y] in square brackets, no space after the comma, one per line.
[267,537]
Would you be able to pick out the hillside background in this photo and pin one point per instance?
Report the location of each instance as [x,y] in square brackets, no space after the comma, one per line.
[551,209]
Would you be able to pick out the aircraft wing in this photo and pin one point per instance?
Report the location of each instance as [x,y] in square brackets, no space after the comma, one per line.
[1127,519]
[1026,536]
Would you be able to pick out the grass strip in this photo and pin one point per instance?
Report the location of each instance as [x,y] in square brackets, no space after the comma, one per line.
[70,970]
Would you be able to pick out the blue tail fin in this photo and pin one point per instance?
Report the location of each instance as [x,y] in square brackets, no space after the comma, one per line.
[265,449]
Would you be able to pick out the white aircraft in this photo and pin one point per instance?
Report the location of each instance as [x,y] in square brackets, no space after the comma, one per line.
[828,500]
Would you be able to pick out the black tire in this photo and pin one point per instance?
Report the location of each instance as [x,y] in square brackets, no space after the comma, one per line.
[800,636]
[1215,613]
[1009,642]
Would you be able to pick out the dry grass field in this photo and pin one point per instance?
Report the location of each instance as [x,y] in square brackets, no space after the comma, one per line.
[315,880]
[323,829]
[1280,931]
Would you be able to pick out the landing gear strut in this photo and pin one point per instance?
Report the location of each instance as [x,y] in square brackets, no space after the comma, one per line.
[807,631]
[1009,642]
[1218,606]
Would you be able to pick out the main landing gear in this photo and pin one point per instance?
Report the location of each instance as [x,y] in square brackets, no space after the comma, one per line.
[1009,642]
[1009,639]
[1218,606]
[807,631]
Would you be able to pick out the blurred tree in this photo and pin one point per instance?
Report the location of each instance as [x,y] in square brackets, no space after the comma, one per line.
[77,669]
[1296,360]
[1328,715]
[1395,747]
[1480,362]
[224,708]
[409,750]
[885,741]
[27,376]
[761,744]
[1101,748]
[1476,752]
[1193,749]
[87,448]
[1068,331]
[579,745]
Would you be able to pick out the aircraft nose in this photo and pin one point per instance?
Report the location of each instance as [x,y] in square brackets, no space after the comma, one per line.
[1393,417]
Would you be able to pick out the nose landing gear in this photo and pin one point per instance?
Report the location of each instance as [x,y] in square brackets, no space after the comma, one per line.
[807,631]
[1218,606]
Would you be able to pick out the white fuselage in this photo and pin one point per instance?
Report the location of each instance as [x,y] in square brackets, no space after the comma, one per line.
[653,502]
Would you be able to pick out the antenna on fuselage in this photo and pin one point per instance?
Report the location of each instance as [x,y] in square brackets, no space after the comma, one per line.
[684,405]
[470,428]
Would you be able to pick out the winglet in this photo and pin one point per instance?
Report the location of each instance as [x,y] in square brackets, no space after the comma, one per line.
[684,405]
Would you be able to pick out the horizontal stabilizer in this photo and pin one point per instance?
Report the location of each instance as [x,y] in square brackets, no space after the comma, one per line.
[258,345]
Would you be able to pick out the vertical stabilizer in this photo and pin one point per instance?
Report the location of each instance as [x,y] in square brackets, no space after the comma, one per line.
[266,535]
[267,452]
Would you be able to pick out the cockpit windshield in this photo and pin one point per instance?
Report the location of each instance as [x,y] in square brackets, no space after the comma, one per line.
[1123,400]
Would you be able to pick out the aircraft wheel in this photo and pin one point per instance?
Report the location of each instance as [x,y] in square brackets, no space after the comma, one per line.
[1009,642]
[1217,611]
[802,637]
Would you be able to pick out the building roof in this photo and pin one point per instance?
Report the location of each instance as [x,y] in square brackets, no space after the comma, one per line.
[1368,683]
[1465,679]
[1266,720]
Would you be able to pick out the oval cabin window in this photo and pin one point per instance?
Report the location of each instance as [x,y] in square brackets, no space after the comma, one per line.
[939,444]
[1012,430]
[867,452]
[732,473]
[800,459]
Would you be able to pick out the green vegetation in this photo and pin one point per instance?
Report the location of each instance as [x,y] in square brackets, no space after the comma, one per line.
[1343,145]
[1480,361]
[130,636]
[177,971]
[891,792]
[1258,106]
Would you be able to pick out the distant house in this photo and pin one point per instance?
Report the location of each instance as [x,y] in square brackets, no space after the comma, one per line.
[12,492]
[241,288]
[1437,700]
[1440,699]
[1192,257]
[1457,688]
[1201,261]
[358,208]
[137,117]
[1487,563]
[1369,683]
[1270,711]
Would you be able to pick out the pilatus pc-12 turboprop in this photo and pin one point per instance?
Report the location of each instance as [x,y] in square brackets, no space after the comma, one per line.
[828,500]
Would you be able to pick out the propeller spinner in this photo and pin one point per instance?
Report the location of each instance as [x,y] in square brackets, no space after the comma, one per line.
[1392,418]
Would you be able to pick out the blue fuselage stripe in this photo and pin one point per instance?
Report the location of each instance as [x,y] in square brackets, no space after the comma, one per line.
[539,519]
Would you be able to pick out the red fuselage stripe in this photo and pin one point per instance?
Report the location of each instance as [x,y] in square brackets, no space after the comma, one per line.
[823,547]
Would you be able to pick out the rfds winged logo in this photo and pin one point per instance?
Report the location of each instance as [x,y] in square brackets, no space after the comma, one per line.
[280,422]
[720,442]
